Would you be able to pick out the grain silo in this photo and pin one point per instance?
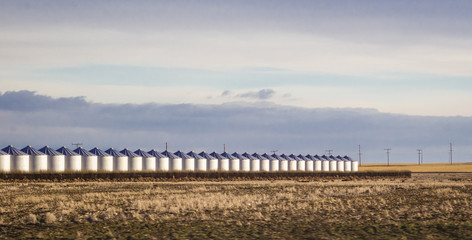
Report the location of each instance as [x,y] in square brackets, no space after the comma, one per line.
[212,162]
[56,160]
[292,163]
[274,164]
[20,161]
[347,164]
[38,161]
[245,162]
[234,162]
[5,162]
[316,162]
[135,162]
[354,164]
[162,161]
[200,162]
[340,163]
[333,163]
[89,160]
[309,163]
[254,162]
[223,162]
[188,162]
[149,161]
[175,161]
[283,163]
[120,161]
[105,160]
[73,159]
[324,163]
[265,163]
[301,164]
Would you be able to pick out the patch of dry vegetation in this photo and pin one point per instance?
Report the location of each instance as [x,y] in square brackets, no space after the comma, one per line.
[281,209]
[426,167]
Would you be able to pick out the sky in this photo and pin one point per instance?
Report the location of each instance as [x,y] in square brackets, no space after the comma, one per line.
[406,62]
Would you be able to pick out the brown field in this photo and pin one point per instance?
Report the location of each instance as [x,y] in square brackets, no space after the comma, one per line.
[426,167]
[425,206]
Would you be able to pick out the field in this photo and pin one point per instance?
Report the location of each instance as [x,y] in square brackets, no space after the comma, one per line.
[426,167]
[423,206]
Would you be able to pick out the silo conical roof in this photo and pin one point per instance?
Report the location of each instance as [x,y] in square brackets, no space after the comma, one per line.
[128,153]
[249,156]
[286,157]
[268,156]
[49,151]
[142,153]
[99,152]
[240,156]
[303,158]
[311,157]
[324,157]
[228,156]
[3,153]
[194,155]
[182,155]
[83,152]
[206,155]
[31,151]
[294,157]
[67,151]
[170,155]
[157,154]
[258,156]
[13,151]
[114,153]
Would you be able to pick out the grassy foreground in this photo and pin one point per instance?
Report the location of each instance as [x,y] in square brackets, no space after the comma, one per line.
[426,167]
[332,209]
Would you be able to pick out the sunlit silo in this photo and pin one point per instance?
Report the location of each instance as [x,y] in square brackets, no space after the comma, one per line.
[38,161]
[255,163]
[309,164]
[188,162]
[149,161]
[73,159]
[89,160]
[200,162]
[234,162]
[20,161]
[120,161]
[175,161]
[283,163]
[162,161]
[135,162]
[56,161]
[5,162]
[212,162]
[223,162]
[245,162]
[105,160]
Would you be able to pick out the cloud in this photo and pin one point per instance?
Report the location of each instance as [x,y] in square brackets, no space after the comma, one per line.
[261,94]
[241,126]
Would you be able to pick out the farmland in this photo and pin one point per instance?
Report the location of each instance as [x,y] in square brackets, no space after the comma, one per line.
[423,206]
[426,167]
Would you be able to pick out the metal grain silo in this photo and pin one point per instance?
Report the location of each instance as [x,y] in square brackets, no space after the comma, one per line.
[20,161]
[56,160]
[234,162]
[212,162]
[5,162]
[340,163]
[274,164]
[175,161]
[283,163]
[89,160]
[333,164]
[135,162]
[245,162]
[292,163]
[120,161]
[309,164]
[105,160]
[254,162]
[324,163]
[354,164]
[149,161]
[162,161]
[73,159]
[223,162]
[38,161]
[200,162]
[347,164]
[264,162]
[188,162]
[317,163]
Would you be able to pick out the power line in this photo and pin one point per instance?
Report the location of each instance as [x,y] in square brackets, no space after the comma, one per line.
[388,155]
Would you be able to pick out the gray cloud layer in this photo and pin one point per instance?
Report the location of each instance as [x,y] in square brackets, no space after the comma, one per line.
[28,118]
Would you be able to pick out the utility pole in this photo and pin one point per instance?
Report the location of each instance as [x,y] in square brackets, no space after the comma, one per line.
[450,153]
[360,162]
[224,147]
[274,151]
[420,156]
[388,155]
[166,146]
[329,152]
[76,144]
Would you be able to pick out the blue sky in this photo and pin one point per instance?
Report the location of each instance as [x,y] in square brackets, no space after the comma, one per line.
[397,57]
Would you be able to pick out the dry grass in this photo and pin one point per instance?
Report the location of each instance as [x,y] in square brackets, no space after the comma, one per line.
[426,167]
[222,210]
